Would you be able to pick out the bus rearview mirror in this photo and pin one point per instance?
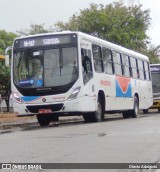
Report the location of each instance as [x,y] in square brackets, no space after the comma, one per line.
[7,60]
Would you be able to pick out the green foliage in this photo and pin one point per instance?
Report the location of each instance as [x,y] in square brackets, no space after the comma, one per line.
[114,22]
[6,39]
[5,84]
[153,53]
[35,29]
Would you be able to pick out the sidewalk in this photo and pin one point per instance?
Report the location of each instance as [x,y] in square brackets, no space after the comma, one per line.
[6,117]
[10,120]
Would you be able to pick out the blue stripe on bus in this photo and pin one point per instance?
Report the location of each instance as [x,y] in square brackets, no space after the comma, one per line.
[30,98]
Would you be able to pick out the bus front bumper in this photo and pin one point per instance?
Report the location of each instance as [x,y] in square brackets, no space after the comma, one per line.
[77,106]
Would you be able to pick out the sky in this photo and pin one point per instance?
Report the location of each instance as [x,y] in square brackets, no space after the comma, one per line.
[16,15]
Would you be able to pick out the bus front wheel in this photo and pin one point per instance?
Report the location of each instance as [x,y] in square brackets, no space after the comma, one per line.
[43,120]
[126,115]
[96,116]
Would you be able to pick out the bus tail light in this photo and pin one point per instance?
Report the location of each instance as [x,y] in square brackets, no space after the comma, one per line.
[17,98]
[74,93]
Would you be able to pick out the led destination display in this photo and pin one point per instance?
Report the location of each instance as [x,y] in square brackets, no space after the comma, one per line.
[155,69]
[45,40]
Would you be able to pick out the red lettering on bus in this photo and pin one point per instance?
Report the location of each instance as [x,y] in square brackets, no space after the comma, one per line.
[105,83]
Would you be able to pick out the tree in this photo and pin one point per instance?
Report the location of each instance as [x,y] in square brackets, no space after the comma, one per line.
[35,29]
[114,22]
[153,52]
[6,39]
[5,84]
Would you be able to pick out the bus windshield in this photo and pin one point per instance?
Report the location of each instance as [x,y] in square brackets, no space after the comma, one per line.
[34,68]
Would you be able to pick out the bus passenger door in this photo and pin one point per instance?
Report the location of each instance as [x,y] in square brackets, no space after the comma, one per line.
[87,76]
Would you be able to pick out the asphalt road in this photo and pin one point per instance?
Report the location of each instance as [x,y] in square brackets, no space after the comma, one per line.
[116,140]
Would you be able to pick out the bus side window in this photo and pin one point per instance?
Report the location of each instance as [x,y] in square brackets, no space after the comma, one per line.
[117,63]
[97,57]
[141,69]
[147,73]
[86,64]
[107,60]
[86,60]
[135,73]
[126,65]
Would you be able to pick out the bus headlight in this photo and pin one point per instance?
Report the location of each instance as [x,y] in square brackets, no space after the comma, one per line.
[74,93]
[17,98]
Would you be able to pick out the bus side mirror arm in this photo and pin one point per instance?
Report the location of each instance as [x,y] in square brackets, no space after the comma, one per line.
[7,55]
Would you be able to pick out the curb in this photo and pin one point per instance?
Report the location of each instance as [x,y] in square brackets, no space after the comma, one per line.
[17,125]
[24,124]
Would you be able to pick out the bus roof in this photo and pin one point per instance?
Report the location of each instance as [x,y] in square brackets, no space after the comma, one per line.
[88,37]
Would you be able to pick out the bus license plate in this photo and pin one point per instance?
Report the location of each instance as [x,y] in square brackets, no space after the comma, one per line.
[44,111]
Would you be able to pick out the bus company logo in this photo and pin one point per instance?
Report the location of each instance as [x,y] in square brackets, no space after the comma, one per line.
[44,99]
[123,87]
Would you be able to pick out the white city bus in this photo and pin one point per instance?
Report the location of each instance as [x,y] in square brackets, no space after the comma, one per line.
[72,73]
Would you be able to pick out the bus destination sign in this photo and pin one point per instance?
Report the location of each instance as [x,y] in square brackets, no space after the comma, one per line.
[155,69]
[45,40]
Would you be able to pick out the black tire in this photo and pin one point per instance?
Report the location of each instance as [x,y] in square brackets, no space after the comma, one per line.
[158,109]
[134,112]
[98,114]
[126,115]
[43,120]
[54,118]
[145,111]
[88,117]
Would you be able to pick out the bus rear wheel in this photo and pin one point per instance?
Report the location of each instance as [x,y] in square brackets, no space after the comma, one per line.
[43,120]
[134,112]
[145,111]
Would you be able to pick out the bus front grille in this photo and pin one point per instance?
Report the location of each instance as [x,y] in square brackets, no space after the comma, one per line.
[53,107]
